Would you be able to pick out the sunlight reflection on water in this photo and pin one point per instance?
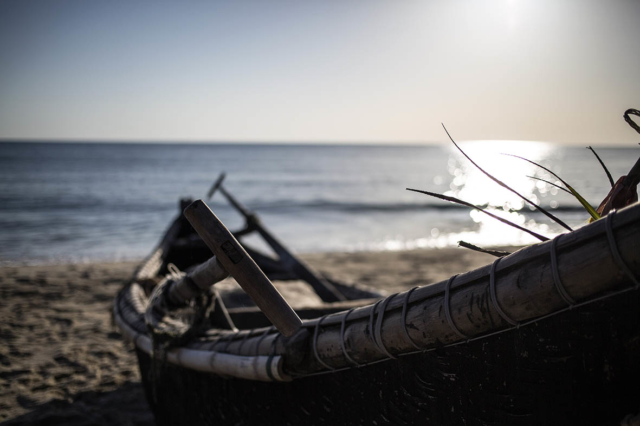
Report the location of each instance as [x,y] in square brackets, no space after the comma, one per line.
[113,201]
[470,184]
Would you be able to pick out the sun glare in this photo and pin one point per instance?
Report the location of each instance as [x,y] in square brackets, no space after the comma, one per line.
[471,185]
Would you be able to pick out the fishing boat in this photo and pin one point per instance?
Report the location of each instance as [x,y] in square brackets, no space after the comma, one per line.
[549,334]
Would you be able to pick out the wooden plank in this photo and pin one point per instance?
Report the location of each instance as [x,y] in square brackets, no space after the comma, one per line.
[242,267]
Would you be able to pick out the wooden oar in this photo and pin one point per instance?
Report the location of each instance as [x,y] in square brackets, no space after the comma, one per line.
[215,185]
[323,288]
[241,266]
[197,281]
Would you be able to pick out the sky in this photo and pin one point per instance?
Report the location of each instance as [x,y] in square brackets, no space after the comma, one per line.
[320,71]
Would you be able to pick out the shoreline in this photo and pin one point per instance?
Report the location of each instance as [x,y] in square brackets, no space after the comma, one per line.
[64,361]
[68,261]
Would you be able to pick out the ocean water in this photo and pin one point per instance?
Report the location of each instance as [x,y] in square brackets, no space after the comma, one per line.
[84,202]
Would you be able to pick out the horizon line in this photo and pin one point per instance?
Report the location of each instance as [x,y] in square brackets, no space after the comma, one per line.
[283,142]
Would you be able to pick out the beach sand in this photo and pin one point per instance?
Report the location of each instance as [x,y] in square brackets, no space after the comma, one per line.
[62,361]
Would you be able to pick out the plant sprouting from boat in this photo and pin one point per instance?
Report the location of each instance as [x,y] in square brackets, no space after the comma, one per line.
[603,166]
[504,185]
[592,212]
[622,193]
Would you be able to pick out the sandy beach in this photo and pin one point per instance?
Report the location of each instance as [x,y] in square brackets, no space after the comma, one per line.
[62,361]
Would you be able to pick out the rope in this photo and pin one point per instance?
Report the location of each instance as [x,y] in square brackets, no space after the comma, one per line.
[378,332]
[244,339]
[405,309]
[267,331]
[447,308]
[342,345]
[371,333]
[556,274]
[494,297]
[315,345]
[271,355]
[174,271]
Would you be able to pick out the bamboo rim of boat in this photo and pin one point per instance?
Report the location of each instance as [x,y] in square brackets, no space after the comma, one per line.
[598,261]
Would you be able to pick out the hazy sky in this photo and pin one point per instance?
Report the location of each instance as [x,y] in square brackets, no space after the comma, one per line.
[355,71]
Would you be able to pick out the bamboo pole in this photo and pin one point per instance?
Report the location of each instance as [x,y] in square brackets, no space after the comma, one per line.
[196,281]
[525,290]
[261,368]
[240,265]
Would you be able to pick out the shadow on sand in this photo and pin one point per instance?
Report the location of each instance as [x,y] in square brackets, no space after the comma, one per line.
[124,406]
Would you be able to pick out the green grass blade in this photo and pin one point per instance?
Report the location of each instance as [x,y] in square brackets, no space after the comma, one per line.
[603,166]
[504,185]
[592,212]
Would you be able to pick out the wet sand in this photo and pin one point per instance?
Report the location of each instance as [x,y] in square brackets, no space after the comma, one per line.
[63,362]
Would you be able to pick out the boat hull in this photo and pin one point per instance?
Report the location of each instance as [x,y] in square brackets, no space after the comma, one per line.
[580,366]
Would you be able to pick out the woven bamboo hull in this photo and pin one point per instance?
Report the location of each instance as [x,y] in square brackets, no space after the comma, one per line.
[579,367]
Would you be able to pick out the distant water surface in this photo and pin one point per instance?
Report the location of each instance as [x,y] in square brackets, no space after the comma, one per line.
[76,202]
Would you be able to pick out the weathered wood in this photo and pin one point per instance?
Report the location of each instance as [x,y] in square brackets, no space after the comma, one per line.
[240,265]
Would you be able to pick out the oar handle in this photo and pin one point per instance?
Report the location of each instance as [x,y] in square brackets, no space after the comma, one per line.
[242,267]
[197,281]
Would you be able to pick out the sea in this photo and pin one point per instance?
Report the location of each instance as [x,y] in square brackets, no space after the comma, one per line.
[83,202]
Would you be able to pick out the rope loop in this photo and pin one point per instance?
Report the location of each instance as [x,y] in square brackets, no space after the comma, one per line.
[378,332]
[232,338]
[371,315]
[494,297]
[315,344]
[405,309]
[266,332]
[556,274]
[447,308]
[342,345]
[244,339]
[174,271]
[272,354]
